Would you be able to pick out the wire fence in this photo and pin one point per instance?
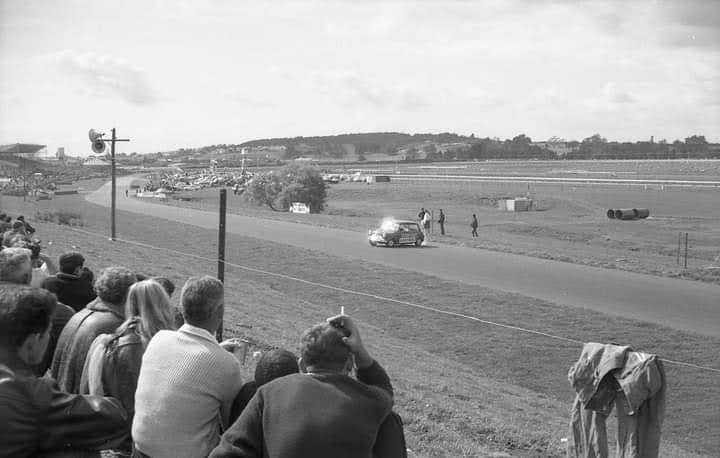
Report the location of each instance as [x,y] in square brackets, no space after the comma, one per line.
[372,296]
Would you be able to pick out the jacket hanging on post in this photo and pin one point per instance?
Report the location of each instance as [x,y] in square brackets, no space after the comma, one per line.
[634,382]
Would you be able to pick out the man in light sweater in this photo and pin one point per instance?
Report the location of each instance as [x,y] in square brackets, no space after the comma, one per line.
[187,381]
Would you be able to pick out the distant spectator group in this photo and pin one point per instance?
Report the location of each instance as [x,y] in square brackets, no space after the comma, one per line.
[105,364]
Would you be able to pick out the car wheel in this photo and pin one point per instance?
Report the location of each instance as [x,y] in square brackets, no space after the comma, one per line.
[418,242]
[390,243]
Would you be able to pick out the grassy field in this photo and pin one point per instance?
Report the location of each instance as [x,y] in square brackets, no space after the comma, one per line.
[463,388]
[570,223]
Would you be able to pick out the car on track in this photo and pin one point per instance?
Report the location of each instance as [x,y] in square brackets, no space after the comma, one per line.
[393,233]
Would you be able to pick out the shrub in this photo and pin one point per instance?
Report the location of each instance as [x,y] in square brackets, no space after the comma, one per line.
[63,217]
[292,183]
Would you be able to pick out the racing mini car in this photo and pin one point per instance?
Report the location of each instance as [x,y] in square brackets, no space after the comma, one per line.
[396,232]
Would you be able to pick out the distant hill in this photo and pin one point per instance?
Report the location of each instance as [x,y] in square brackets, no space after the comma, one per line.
[365,146]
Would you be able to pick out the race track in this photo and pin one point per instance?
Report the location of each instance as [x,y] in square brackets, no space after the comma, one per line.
[680,304]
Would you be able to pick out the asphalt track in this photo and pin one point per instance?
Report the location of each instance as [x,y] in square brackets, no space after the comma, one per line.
[680,304]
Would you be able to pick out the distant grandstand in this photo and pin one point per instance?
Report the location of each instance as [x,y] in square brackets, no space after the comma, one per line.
[24,150]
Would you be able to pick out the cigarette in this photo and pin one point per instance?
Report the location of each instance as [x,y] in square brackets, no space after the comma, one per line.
[342,310]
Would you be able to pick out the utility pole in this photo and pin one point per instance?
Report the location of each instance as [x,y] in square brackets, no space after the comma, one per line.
[98,146]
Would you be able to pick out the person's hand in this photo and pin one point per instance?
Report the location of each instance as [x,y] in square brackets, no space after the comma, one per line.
[238,347]
[352,339]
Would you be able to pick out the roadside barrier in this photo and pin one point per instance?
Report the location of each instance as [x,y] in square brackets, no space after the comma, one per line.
[374,296]
[628,213]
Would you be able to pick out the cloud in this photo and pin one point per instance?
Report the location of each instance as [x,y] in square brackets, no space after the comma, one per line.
[105,76]
[611,97]
[616,96]
[354,90]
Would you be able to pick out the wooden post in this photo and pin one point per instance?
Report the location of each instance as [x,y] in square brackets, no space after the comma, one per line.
[221,252]
[112,195]
[686,248]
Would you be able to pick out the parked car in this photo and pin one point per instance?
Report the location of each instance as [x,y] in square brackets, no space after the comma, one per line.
[392,233]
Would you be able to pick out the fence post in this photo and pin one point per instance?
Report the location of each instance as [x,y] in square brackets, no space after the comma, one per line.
[221,253]
[686,248]
[678,250]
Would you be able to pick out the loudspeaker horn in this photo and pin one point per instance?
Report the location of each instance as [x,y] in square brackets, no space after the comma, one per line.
[98,146]
[94,135]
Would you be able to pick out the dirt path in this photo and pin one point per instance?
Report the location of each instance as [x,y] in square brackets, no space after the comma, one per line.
[680,304]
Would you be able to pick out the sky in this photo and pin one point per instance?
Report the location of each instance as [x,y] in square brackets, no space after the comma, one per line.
[177,73]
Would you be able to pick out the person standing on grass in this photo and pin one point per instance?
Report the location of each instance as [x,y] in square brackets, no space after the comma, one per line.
[441,221]
[474,226]
[187,381]
[322,412]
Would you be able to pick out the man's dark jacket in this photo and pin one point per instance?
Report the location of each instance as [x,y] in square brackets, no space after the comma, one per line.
[304,415]
[97,318]
[37,418]
[61,316]
[73,290]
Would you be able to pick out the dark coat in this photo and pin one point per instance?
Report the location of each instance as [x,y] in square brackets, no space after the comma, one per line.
[61,316]
[36,417]
[73,290]
[97,318]
[303,415]
[120,371]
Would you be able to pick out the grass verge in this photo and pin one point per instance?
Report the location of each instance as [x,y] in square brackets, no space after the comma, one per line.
[463,388]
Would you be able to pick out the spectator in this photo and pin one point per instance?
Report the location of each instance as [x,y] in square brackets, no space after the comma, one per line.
[15,234]
[102,316]
[322,412]
[28,228]
[169,287]
[113,363]
[474,226]
[271,365]
[16,267]
[441,221]
[4,224]
[73,283]
[42,265]
[187,380]
[35,416]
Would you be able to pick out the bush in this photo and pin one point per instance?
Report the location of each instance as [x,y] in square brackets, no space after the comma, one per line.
[292,183]
[63,217]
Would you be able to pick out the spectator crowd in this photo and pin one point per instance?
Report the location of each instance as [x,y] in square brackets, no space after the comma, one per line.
[106,365]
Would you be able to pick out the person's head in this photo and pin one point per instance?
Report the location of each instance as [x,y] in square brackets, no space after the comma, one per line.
[18,226]
[21,218]
[32,245]
[148,300]
[203,300]
[275,364]
[167,284]
[25,321]
[113,283]
[322,347]
[71,263]
[15,265]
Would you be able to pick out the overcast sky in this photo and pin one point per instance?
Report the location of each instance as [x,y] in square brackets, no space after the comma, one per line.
[170,74]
